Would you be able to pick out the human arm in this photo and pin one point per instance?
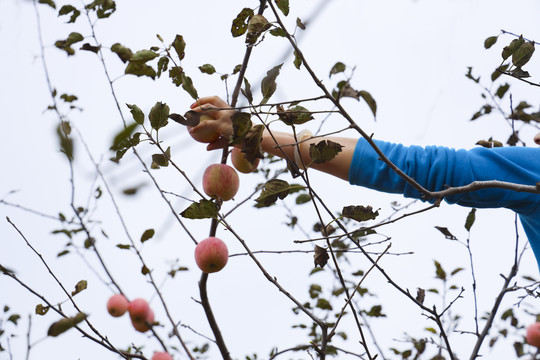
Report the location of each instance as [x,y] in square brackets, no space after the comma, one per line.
[277,143]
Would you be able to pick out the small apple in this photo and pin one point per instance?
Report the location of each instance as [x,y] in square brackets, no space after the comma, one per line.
[161,355]
[117,305]
[220,181]
[211,255]
[242,164]
[138,310]
[204,135]
[144,326]
[533,334]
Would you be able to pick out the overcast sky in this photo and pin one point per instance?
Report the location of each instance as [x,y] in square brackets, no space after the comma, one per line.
[412,56]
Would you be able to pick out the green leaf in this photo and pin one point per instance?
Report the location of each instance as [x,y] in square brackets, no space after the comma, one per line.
[124,53]
[439,271]
[447,234]
[273,190]
[302,199]
[187,85]
[300,24]
[324,304]
[297,60]
[268,84]
[67,9]
[137,113]
[123,246]
[138,68]
[145,270]
[207,69]
[204,209]
[65,324]
[162,66]
[103,8]
[147,235]
[296,115]
[68,98]
[278,32]
[499,71]
[179,46]
[176,73]
[369,100]
[523,54]
[161,160]
[48,2]
[470,219]
[247,91]
[431,330]
[42,310]
[81,285]
[256,26]
[144,56]
[337,68]
[314,291]
[240,23]
[283,5]
[14,318]
[502,90]
[490,41]
[65,45]
[241,122]
[91,48]
[324,151]
[66,143]
[122,138]
[375,311]
[512,47]
[359,212]
[159,115]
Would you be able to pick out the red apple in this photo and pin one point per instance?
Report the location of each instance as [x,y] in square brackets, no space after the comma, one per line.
[117,305]
[211,255]
[161,355]
[202,134]
[144,326]
[221,181]
[533,334]
[242,164]
[138,310]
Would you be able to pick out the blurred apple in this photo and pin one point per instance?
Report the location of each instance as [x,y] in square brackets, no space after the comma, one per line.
[242,164]
[533,334]
[220,181]
[211,255]
[117,305]
[138,310]
[203,134]
[144,325]
[161,355]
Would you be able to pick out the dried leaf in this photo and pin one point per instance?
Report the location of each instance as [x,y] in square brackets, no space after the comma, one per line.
[321,256]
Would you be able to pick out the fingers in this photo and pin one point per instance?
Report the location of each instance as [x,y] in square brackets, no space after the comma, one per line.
[212,101]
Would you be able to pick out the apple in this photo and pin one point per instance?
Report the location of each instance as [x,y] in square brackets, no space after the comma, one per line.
[211,255]
[117,305]
[204,135]
[533,334]
[161,355]
[220,181]
[138,310]
[144,326]
[242,164]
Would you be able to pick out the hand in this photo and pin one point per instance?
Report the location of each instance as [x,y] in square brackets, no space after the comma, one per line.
[222,123]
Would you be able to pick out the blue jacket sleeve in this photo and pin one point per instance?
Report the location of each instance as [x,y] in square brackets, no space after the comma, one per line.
[435,168]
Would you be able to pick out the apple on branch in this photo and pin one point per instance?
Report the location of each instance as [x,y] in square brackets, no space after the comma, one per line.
[220,181]
[146,324]
[211,255]
[117,305]
[242,164]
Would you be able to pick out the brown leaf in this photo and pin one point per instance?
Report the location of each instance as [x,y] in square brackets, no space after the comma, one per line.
[321,256]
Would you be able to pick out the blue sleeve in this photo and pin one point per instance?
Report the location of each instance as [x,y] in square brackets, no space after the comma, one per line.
[436,167]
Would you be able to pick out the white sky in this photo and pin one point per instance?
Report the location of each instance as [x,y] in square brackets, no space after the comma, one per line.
[410,55]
